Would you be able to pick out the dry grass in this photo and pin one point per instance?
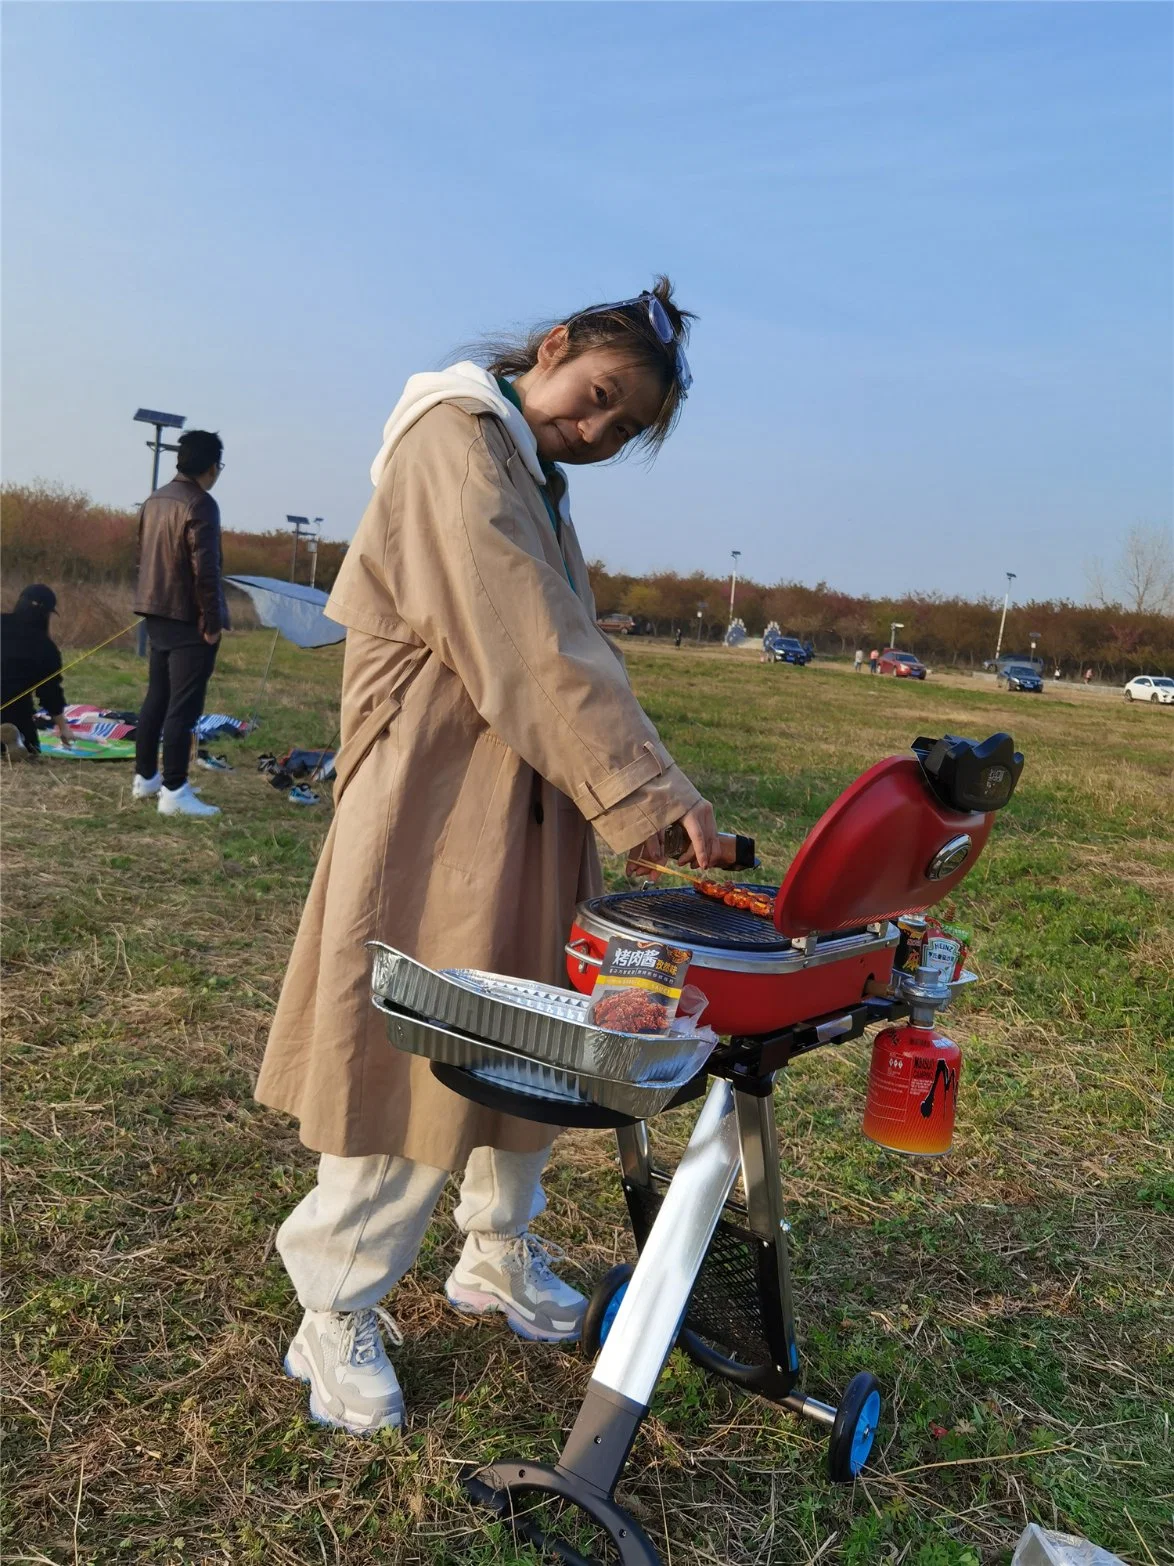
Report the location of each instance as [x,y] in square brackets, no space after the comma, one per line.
[1014,1299]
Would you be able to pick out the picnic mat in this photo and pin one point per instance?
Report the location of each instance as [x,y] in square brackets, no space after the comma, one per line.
[87,749]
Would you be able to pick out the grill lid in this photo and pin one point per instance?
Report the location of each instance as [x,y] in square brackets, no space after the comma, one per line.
[888,845]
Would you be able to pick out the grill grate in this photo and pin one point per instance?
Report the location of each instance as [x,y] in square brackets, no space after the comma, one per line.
[681,914]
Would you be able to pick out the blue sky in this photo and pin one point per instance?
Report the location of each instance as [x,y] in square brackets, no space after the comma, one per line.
[930,246]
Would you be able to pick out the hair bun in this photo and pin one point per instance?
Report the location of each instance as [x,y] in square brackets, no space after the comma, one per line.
[662,289]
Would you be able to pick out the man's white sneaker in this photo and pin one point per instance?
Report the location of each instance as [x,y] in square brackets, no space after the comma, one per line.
[184,802]
[512,1274]
[344,1358]
[146,788]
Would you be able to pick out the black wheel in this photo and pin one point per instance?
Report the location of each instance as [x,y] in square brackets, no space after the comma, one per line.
[1128,695]
[1154,699]
[855,1428]
[602,1308]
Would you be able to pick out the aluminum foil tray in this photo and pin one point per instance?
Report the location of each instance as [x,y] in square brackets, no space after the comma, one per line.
[533,1078]
[539,1021]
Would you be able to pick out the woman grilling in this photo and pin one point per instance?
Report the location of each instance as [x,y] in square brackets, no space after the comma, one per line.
[488,731]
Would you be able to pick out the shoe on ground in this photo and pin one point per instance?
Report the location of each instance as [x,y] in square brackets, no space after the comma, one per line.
[343,1357]
[146,788]
[184,801]
[512,1274]
[213,763]
[13,741]
[300,794]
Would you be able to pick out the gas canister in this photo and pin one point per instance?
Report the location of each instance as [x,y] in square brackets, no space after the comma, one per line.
[913,1079]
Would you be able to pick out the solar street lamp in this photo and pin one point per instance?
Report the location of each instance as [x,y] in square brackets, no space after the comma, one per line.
[737,555]
[302,528]
[700,614]
[1002,623]
[894,627]
[161,421]
[312,546]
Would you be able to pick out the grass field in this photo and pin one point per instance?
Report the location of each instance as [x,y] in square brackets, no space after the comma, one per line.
[1014,1299]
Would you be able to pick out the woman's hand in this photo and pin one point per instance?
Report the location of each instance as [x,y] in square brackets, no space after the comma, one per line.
[650,852]
[61,724]
[704,849]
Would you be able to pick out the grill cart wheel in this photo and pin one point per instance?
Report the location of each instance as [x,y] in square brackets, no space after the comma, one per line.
[602,1308]
[855,1428]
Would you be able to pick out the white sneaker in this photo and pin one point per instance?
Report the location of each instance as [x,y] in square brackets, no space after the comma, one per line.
[513,1275]
[146,788]
[184,802]
[344,1358]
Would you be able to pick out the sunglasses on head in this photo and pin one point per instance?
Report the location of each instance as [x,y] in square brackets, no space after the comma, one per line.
[661,325]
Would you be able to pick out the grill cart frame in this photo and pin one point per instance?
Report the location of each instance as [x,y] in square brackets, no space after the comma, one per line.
[693,1239]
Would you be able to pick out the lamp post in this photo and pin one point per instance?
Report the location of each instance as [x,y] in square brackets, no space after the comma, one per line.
[304,528]
[312,546]
[1035,637]
[161,421]
[1002,623]
[894,627]
[737,555]
[700,612]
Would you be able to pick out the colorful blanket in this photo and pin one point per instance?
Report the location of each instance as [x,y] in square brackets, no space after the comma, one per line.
[87,748]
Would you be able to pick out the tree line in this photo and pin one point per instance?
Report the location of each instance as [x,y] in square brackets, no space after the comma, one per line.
[60,536]
[52,534]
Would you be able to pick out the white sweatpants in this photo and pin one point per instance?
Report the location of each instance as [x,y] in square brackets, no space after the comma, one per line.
[359,1230]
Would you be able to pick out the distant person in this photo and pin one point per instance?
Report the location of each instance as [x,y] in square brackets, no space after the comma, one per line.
[30,672]
[857,661]
[873,661]
[677,637]
[1056,676]
[181,596]
[809,649]
[1088,676]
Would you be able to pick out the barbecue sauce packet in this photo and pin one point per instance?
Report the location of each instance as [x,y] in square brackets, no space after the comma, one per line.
[639,985]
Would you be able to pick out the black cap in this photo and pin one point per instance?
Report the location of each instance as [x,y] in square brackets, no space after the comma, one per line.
[38,596]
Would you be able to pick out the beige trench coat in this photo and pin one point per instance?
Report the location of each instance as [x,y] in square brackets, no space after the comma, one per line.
[487,727]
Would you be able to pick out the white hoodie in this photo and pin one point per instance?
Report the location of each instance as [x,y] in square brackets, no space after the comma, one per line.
[471,383]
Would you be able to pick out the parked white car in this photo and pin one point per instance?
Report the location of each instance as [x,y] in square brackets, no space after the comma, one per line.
[1150,687]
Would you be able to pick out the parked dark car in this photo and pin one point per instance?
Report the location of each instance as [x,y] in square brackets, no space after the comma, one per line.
[787,649]
[1020,677]
[905,665]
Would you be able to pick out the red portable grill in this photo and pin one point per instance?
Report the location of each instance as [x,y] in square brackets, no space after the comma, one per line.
[889,845]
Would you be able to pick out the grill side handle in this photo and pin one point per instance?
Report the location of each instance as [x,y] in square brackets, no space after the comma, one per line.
[581,952]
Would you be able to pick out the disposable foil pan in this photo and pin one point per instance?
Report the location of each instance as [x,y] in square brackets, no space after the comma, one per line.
[533,1078]
[539,1021]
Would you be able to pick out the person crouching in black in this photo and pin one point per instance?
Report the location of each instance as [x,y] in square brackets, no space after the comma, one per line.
[30,671]
[181,596]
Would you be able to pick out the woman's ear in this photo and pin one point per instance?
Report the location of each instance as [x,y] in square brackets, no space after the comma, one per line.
[553,348]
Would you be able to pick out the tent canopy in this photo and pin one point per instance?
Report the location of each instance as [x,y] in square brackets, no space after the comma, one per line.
[292,609]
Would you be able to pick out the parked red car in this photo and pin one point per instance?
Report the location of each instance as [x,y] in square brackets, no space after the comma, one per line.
[904,665]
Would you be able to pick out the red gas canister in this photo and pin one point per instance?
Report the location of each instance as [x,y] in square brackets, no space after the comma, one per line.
[913,1090]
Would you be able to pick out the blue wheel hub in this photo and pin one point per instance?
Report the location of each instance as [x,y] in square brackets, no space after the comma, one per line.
[864,1432]
[609,1314]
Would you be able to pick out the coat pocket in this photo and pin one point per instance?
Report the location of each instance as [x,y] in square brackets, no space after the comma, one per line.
[466,836]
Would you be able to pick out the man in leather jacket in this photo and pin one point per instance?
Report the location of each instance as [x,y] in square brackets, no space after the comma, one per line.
[180,594]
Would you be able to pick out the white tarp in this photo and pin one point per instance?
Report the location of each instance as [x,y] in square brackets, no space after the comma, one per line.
[292,609]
